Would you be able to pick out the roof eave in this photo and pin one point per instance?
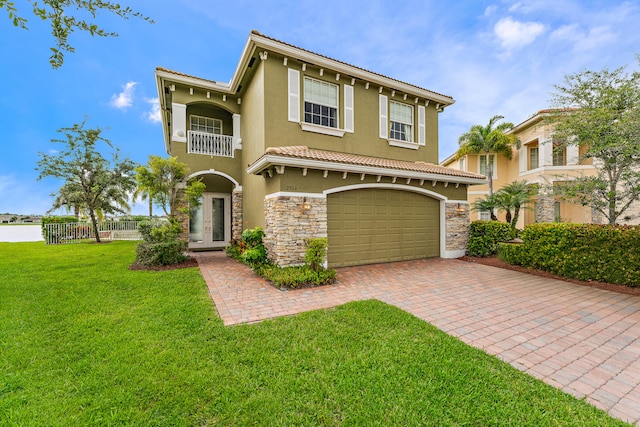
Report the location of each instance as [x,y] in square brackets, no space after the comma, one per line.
[269,160]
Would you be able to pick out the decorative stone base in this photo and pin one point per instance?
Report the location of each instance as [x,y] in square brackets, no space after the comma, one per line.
[288,221]
[456,226]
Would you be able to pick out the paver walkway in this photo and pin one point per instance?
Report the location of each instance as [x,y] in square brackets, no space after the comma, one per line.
[582,340]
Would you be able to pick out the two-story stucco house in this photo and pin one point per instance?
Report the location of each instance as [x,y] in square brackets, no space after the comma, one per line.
[303,145]
[540,162]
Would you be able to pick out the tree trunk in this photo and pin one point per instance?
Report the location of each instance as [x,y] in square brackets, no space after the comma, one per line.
[94,223]
[150,207]
[489,169]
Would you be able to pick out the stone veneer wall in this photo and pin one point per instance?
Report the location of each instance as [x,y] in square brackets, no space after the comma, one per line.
[287,225]
[456,226]
[236,215]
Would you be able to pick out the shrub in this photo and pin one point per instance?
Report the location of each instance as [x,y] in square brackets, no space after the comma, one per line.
[316,252]
[160,245]
[581,251]
[163,253]
[484,237]
[297,277]
[251,251]
[158,231]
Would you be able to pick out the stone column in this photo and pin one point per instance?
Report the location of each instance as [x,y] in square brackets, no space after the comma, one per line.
[545,211]
[236,215]
[289,220]
[456,226]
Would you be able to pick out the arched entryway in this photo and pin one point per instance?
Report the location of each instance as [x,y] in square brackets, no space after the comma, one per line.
[212,224]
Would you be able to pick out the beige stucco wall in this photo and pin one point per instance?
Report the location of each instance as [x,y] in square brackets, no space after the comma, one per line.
[545,175]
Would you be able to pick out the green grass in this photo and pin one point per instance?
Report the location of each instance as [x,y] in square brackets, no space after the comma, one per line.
[84,341]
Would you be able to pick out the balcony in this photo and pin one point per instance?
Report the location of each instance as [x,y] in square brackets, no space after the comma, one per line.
[209,144]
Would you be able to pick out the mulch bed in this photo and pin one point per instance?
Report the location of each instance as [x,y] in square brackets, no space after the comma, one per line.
[495,262]
[191,262]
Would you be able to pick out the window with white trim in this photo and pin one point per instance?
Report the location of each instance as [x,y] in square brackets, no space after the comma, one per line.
[534,157]
[320,102]
[206,125]
[559,154]
[485,215]
[483,165]
[463,163]
[401,118]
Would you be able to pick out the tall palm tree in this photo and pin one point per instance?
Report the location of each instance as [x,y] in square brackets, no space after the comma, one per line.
[489,139]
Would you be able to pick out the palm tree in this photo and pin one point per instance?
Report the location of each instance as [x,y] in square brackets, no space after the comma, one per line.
[515,195]
[489,139]
[489,204]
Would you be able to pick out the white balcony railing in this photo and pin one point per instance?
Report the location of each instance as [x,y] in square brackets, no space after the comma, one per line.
[209,144]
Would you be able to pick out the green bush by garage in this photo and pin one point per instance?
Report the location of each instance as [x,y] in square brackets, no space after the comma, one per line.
[580,251]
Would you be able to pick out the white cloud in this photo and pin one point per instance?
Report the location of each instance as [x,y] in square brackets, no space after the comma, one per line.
[154,114]
[584,40]
[124,99]
[490,10]
[516,34]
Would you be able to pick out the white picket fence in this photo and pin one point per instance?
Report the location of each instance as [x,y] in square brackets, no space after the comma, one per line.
[77,232]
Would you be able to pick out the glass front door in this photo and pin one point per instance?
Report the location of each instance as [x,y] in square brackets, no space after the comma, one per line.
[210,223]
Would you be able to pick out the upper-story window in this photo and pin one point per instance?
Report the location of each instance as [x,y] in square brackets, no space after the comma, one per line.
[206,125]
[399,123]
[559,154]
[534,158]
[320,102]
[401,118]
[483,165]
[463,163]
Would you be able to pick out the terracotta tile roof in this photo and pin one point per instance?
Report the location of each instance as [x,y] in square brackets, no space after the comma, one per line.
[346,63]
[178,73]
[303,152]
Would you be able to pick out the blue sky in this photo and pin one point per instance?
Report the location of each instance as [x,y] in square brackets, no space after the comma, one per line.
[493,57]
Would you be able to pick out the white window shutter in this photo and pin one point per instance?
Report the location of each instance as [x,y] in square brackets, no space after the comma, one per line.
[573,155]
[294,95]
[384,117]
[348,108]
[523,157]
[422,135]
[179,122]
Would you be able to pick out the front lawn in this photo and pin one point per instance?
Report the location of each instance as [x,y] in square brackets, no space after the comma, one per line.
[85,341]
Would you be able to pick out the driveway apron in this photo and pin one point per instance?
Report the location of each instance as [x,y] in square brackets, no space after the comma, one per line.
[584,341]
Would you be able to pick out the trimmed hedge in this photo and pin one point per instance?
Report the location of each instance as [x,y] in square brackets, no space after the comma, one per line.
[484,237]
[603,253]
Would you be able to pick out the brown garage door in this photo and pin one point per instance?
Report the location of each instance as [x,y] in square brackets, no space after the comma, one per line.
[377,225]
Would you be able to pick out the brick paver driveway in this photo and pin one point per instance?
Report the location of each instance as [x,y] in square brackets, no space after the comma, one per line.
[582,340]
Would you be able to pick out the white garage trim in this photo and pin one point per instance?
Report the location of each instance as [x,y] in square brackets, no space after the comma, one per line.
[388,187]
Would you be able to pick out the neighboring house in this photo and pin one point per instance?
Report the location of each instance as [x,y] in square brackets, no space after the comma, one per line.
[538,161]
[304,146]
